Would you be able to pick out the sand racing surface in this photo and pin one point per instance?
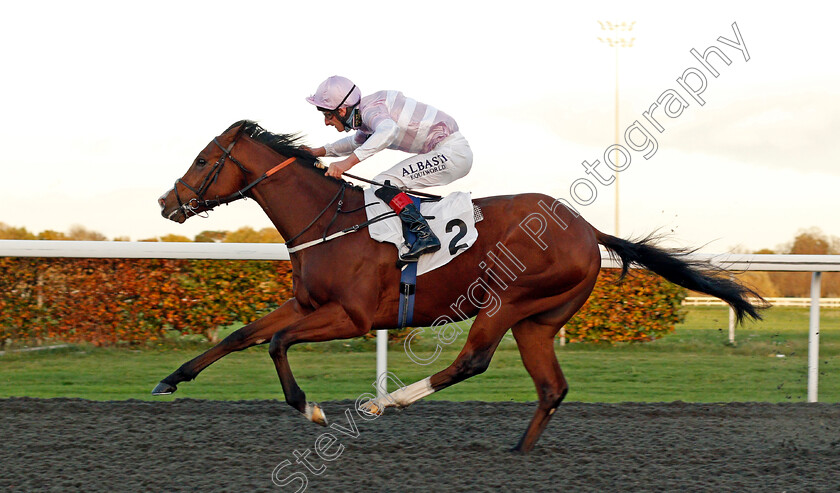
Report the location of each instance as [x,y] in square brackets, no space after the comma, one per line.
[197,445]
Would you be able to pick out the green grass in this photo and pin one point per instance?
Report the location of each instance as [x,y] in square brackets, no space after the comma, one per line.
[695,364]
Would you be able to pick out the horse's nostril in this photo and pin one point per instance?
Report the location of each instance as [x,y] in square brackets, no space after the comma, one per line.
[162,200]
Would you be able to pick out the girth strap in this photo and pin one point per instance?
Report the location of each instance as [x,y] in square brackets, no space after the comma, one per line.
[408,281]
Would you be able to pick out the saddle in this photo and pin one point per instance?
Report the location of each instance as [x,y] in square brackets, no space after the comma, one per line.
[452,219]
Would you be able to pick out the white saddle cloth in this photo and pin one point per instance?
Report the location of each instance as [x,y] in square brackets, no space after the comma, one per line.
[453,223]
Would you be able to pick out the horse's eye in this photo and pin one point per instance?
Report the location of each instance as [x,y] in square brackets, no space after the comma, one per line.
[201,162]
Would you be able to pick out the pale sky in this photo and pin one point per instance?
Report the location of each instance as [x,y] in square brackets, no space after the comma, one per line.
[105,104]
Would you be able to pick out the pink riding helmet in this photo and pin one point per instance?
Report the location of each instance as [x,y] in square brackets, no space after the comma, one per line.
[336,92]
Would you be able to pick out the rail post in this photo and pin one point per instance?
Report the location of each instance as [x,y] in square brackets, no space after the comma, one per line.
[731,319]
[814,338]
[381,363]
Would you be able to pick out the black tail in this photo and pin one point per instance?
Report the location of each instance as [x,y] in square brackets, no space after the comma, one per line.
[675,267]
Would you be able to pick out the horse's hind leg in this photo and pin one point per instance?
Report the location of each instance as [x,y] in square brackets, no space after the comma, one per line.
[535,340]
[483,339]
[257,332]
[536,346]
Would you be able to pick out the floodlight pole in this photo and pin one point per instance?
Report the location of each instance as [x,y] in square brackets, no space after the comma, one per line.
[617,174]
[617,43]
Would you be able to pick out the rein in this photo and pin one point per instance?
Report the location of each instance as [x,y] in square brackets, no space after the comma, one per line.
[340,197]
[352,229]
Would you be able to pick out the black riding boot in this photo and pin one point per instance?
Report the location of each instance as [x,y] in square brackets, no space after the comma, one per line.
[412,220]
[426,241]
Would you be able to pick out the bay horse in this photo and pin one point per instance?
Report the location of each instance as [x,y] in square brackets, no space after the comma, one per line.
[535,255]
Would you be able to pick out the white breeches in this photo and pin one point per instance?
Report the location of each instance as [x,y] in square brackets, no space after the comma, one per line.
[449,160]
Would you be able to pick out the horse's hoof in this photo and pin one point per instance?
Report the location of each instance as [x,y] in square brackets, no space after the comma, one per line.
[164,389]
[315,414]
[519,449]
[371,408]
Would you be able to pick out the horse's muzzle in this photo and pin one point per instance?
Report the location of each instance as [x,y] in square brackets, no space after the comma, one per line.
[173,212]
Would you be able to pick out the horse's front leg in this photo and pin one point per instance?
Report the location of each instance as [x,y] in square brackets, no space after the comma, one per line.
[327,323]
[257,332]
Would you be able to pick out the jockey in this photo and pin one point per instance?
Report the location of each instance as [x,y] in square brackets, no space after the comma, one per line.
[388,119]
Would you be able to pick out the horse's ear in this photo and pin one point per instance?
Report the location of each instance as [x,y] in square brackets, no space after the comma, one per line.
[241,129]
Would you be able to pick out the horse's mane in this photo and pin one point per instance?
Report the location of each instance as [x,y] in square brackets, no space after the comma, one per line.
[285,144]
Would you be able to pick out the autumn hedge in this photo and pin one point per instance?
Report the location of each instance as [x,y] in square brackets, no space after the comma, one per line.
[137,301]
[640,308]
[105,301]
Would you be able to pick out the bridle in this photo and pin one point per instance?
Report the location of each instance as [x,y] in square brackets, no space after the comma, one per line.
[189,208]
